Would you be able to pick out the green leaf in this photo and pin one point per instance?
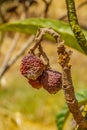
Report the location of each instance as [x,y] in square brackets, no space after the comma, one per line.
[81,96]
[63,115]
[31,25]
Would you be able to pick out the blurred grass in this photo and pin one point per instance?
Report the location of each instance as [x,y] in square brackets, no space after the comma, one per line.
[20,96]
[37,105]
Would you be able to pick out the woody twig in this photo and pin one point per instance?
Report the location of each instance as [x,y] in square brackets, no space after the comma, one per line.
[16,57]
[38,39]
[67,84]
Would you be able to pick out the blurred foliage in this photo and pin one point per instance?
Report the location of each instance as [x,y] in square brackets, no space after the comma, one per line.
[21,106]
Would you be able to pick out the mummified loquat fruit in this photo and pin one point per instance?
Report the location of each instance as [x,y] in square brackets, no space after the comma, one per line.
[35,83]
[51,81]
[32,67]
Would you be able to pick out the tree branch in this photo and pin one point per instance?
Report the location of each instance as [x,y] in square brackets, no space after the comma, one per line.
[11,49]
[47,5]
[64,61]
[8,55]
[67,85]
[75,25]
[21,52]
[79,6]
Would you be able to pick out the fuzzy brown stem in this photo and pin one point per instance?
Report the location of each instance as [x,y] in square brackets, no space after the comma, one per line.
[38,39]
[64,61]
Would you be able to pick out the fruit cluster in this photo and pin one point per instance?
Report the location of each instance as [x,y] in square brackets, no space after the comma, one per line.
[33,68]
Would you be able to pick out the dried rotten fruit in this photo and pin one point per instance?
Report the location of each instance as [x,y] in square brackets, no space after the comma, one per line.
[32,66]
[35,83]
[51,81]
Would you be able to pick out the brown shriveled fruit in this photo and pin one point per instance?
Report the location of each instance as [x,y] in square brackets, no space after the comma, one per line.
[51,81]
[35,83]
[32,67]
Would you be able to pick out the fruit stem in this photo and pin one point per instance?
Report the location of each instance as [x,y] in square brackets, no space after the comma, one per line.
[64,61]
[38,39]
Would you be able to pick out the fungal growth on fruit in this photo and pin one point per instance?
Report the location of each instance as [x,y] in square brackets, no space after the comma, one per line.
[32,66]
[51,81]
